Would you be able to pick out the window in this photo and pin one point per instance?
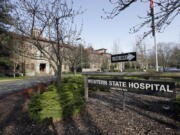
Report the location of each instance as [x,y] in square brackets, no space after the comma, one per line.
[65,67]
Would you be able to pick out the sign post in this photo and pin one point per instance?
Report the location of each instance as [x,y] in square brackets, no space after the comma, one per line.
[86,87]
[124,100]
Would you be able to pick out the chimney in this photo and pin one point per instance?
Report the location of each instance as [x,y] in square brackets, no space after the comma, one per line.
[36,32]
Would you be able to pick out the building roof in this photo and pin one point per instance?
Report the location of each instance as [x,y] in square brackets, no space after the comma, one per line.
[100,49]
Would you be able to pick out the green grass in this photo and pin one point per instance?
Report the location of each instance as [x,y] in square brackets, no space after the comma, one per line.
[137,70]
[151,70]
[133,70]
[176,103]
[119,77]
[71,73]
[56,104]
[5,79]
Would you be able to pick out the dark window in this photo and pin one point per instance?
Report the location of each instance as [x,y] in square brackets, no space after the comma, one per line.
[42,67]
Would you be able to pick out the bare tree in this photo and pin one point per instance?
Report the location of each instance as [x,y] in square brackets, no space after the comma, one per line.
[75,59]
[167,10]
[116,47]
[141,53]
[105,64]
[164,52]
[175,57]
[116,50]
[168,54]
[52,19]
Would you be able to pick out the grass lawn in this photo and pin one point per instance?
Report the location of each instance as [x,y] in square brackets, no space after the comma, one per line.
[139,70]
[176,103]
[6,79]
[71,74]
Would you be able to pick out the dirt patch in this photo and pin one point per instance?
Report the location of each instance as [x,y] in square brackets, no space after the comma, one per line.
[103,115]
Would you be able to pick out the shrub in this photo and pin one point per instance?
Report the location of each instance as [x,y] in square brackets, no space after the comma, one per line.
[57,104]
[35,107]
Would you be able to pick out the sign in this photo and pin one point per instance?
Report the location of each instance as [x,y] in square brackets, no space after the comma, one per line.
[123,57]
[156,88]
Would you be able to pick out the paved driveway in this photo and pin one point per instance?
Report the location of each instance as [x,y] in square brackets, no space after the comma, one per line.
[8,88]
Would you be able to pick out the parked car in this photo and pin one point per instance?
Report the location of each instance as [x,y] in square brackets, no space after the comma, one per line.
[10,74]
[173,69]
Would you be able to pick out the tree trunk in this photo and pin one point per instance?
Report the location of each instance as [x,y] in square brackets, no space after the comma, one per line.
[14,70]
[23,68]
[58,79]
[75,69]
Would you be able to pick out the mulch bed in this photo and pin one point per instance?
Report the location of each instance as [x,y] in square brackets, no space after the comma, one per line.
[103,115]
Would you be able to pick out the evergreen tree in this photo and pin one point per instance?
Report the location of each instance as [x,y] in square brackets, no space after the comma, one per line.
[5,37]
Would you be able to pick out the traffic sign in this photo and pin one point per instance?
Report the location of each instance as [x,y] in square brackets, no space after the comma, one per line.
[123,57]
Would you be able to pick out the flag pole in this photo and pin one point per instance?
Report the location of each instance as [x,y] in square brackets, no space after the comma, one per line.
[157,67]
[154,31]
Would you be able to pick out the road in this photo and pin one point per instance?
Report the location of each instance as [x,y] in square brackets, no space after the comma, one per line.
[9,88]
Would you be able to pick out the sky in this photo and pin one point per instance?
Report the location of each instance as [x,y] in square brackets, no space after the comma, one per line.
[100,33]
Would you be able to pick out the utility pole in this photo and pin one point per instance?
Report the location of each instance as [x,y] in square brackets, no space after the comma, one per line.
[154,31]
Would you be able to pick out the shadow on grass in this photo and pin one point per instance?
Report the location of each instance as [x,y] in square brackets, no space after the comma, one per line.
[17,122]
[132,103]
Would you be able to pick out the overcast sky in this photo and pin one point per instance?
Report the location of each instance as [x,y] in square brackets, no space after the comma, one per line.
[102,33]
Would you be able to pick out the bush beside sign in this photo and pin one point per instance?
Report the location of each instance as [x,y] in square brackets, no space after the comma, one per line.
[155,88]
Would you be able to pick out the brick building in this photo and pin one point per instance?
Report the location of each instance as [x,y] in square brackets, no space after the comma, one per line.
[32,62]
